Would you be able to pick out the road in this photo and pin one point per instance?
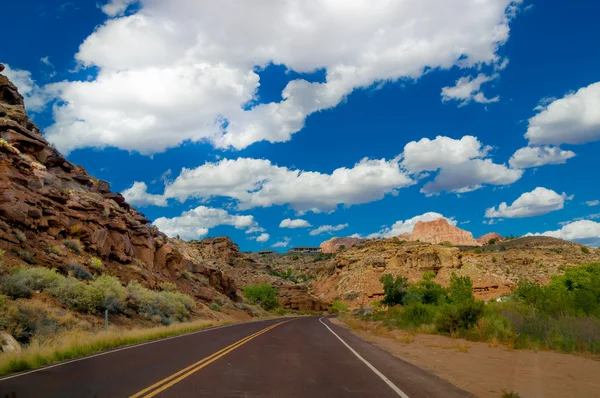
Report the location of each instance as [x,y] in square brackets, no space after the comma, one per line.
[302,357]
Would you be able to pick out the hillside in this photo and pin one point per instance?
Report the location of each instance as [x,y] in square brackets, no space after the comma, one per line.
[56,216]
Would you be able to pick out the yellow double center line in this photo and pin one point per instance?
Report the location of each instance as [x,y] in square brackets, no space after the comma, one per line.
[183,373]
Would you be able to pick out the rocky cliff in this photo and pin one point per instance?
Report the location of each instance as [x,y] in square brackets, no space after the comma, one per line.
[53,213]
[440,231]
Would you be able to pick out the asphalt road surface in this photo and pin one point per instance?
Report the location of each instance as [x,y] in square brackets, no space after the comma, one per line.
[302,357]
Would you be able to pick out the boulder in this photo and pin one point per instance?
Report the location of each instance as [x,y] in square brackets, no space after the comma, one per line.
[8,344]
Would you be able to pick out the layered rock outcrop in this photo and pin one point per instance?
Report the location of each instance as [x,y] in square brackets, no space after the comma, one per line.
[334,244]
[47,203]
[440,231]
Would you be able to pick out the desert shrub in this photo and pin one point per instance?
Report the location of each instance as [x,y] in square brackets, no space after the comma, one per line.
[53,250]
[338,307]
[478,250]
[26,256]
[215,307]
[20,235]
[494,259]
[74,245]
[287,275]
[2,253]
[22,281]
[264,295]
[77,295]
[492,241]
[96,264]
[76,230]
[395,290]
[79,272]
[446,244]
[170,306]
[114,295]
[4,226]
[453,318]
[168,287]
[510,394]
[585,250]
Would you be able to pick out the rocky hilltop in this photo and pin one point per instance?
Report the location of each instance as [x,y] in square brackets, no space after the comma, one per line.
[334,244]
[491,236]
[53,213]
[440,231]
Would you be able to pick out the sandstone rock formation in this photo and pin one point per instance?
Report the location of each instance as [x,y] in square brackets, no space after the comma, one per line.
[334,244]
[47,203]
[353,275]
[440,231]
[8,344]
[485,239]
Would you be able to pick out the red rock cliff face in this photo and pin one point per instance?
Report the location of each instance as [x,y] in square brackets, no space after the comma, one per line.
[45,200]
[439,231]
[332,245]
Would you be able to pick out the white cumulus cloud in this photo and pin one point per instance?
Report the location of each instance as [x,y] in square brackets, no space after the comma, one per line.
[138,195]
[186,70]
[282,243]
[573,119]
[461,163]
[535,203]
[407,226]
[297,223]
[263,237]
[468,89]
[585,232]
[535,156]
[327,229]
[259,183]
[592,203]
[196,223]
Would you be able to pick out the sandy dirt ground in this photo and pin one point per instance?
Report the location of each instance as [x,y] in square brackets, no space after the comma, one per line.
[487,370]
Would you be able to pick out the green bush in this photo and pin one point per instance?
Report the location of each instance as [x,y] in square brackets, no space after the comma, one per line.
[169,306]
[96,264]
[114,295]
[585,250]
[168,287]
[461,289]
[20,235]
[426,291]
[264,295]
[23,280]
[395,290]
[478,250]
[77,295]
[79,272]
[417,314]
[453,318]
[338,307]
[215,307]
[53,250]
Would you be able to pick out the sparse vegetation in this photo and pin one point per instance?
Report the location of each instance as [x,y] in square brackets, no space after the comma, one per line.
[564,315]
[264,295]
[338,307]
[71,345]
[79,272]
[478,250]
[26,256]
[168,287]
[20,235]
[215,307]
[53,250]
[96,264]
[510,394]
[585,250]
[74,245]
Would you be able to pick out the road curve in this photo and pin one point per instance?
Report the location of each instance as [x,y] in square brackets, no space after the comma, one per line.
[302,357]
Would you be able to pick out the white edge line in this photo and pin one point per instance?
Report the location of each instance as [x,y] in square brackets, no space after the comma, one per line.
[373,368]
[130,347]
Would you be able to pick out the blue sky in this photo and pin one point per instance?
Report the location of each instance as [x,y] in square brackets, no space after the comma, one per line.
[356,119]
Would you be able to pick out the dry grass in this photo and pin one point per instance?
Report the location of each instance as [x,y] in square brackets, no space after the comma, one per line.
[75,344]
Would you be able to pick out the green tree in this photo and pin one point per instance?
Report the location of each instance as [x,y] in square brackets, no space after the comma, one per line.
[461,289]
[395,290]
